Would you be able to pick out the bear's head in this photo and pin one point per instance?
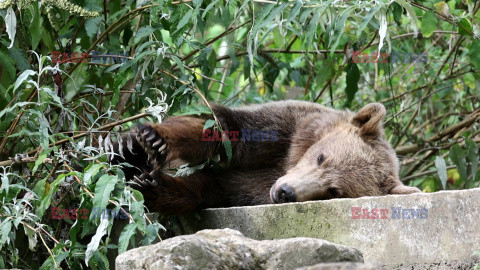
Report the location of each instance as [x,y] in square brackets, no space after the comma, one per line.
[342,156]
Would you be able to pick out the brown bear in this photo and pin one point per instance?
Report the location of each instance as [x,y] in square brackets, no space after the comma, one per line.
[287,151]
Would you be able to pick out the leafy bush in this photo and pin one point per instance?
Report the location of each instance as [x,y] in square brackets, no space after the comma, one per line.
[61,109]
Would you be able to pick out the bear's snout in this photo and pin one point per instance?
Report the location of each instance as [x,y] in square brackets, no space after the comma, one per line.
[284,194]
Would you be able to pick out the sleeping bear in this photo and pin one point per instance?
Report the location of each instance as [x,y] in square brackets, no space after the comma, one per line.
[286,151]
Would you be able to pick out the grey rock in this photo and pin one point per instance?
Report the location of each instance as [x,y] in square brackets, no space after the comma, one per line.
[449,233]
[230,249]
[342,266]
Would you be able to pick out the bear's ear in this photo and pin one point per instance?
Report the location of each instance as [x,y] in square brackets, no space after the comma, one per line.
[369,120]
[402,189]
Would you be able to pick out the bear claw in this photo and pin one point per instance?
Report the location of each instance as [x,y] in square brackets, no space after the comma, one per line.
[153,144]
[144,181]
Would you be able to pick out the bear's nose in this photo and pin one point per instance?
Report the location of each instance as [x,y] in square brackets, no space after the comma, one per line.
[285,194]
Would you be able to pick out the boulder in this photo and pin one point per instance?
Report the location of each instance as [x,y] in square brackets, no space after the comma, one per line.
[342,266]
[230,249]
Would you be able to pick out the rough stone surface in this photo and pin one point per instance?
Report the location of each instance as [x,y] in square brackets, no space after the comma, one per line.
[229,249]
[342,266]
[450,233]
[472,264]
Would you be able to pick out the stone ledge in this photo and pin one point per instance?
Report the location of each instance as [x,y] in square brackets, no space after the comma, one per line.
[449,233]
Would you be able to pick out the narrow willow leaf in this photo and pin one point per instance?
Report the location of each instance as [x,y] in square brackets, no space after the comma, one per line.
[151,234]
[23,77]
[228,149]
[186,18]
[36,28]
[295,10]
[5,182]
[144,31]
[210,6]
[90,172]
[45,202]
[367,19]
[441,170]
[397,13]
[472,155]
[128,231]
[411,14]
[95,242]
[32,237]
[352,78]
[457,155]
[5,229]
[340,27]
[382,31]
[11,25]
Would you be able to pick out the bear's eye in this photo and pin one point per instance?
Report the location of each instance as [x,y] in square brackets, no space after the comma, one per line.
[320,159]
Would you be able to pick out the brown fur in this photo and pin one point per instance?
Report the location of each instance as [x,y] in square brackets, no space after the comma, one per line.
[356,160]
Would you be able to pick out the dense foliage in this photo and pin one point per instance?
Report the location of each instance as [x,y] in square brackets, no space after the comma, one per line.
[76,74]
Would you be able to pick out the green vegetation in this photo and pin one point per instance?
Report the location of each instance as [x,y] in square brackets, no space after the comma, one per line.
[58,120]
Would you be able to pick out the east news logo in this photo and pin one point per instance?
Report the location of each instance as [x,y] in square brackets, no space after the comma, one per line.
[384,213]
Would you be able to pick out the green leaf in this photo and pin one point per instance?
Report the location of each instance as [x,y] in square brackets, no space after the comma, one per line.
[186,18]
[90,172]
[474,53]
[457,155]
[128,231]
[23,77]
[228,149]
[5,183]
[40,188]
[193,110]
[99,261]
[312,27]
[151,234]
[103,188]
[144,31]
[210,6]
[209,123]
[352,78]
[295,10]
[40,159]
[5,229]
[179,63]
[20,58]
[410,12]
[92,26]
[429,24]
[137,195]
[368,18]
[465,27]
[472,156]
[45,202]
[340,28]
[397,13]
[9,70]
[36,28]
[11,25]
[95,242]
[441,170]
[32,237]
